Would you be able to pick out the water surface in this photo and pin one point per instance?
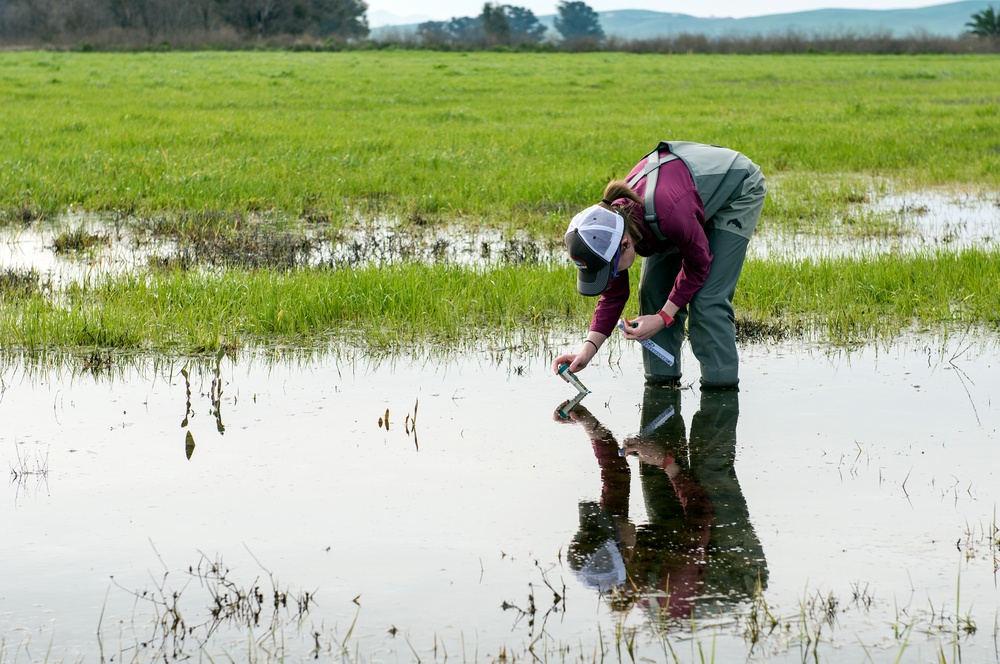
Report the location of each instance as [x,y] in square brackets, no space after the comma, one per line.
[858,487]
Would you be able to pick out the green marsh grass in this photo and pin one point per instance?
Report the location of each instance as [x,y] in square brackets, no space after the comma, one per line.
[78,240]
[499,138]
[845,300]
[862,299]
[383,308]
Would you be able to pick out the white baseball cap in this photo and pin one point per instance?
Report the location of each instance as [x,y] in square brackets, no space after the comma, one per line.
[593,238]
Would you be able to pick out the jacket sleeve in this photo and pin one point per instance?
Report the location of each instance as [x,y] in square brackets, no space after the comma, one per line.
[611,305]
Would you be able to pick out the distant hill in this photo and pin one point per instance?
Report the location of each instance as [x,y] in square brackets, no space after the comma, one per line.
[947,20]
[384,19]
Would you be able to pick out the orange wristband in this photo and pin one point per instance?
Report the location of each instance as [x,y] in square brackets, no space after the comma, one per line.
[667,320]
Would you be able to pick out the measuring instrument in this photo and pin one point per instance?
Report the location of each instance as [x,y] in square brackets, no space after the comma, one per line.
[651,345]
[571,378]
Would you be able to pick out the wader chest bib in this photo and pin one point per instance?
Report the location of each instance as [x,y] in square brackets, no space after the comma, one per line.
[718,175]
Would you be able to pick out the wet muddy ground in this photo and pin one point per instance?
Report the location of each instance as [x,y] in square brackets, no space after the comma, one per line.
[474,522]
[76,246]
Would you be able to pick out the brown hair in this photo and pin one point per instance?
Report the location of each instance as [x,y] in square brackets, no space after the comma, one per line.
[615,190]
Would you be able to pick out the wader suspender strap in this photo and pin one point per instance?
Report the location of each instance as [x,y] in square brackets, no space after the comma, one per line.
[651,171]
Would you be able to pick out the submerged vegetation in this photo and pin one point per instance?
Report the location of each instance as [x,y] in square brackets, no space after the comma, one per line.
[16,283]
[258,610]
[78,240]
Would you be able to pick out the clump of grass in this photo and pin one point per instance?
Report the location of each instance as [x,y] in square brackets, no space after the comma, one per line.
[227,239]
[759,621]
[18,282]
[750,330]
[78,240]
[209,224]
[24,214]
[865,224]
[97,362]
[252,249]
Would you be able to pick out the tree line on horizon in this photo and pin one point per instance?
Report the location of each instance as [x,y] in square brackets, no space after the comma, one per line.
[227,20]
[129,24]
[577,24]
[344,20]
[509,25]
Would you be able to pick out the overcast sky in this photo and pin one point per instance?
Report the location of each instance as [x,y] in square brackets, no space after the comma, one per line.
[440,10]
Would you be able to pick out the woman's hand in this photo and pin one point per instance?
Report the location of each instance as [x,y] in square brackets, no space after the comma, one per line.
[576,362]
[579,361]
[641,328]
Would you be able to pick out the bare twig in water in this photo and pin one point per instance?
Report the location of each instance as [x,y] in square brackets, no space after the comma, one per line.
[530,613]
[962,378]
[25,468]
[410,425]
[231,605]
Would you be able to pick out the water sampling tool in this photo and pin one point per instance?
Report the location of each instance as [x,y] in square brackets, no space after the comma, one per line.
[582,390]
[650,345]
[571,378]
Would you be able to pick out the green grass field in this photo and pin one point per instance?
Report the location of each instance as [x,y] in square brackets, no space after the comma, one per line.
[489,137]
[516,141]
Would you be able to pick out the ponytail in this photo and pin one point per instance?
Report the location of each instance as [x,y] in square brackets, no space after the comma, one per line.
[616,190]
[619,189]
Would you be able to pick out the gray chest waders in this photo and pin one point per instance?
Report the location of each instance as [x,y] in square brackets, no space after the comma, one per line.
[718,175]
[732,190]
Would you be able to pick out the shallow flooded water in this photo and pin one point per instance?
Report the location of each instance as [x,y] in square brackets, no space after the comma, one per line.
[840,507]
[906,222]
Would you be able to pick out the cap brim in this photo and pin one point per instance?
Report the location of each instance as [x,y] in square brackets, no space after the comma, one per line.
[593,282]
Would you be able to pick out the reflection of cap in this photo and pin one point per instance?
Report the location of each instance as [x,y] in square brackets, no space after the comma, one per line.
[594,554]
[593,238]
[604,569]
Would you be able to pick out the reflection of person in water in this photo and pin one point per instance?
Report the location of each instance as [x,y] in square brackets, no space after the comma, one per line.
[698,541]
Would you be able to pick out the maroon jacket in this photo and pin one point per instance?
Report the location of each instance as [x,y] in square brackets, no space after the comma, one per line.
[681,219]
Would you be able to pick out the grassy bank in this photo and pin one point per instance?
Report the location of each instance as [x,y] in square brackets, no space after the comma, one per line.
[505,139]
[849,299]
[405,306]
[380,308]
